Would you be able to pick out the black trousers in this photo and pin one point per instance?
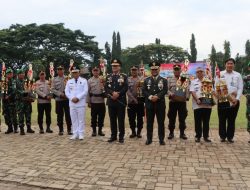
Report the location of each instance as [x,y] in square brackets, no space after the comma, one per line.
[181,109]
[202,118]
[98,111]
[117,113]
[62,108]
[136,113]
[160,112]
[227,117]
[46,107]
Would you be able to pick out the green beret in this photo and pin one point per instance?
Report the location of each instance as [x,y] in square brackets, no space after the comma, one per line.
[20,71]
[9,70]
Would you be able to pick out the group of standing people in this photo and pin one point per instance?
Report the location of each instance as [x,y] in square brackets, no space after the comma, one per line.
[143,96]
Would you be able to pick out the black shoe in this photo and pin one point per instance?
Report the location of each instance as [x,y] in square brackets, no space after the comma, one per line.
[170,136]
[9,131]
[48,130]
[139,135]
[133,135]
[70,133]
[248,141]
[162,143]
[222,140]
[15,131]
[100,133]
[197,140]
[112,140]
[207,140]
[230,140]
[60,133]
[93,134]
[41,131]
[183,136]
[30,130]
[148,142]
[121,140]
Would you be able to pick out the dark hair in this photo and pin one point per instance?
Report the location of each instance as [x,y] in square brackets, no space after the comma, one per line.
[230,59]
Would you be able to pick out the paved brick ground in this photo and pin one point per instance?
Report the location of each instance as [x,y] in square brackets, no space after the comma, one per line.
[52,162]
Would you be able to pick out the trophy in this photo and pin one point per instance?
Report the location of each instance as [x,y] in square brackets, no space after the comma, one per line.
[52,74]
[4,81]
[206,96]
[29,86]
[182,84]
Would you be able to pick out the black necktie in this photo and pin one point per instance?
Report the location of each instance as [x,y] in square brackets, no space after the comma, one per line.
[76,81]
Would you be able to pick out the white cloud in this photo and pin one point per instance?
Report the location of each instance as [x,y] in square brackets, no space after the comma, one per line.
[140,22]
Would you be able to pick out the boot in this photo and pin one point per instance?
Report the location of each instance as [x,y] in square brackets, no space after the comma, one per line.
[41,129]
[139,133]
[171,135]
[133,135]
[15,129]
[93,131]
[29,130]
[60,131]
[48,130]
[22,130]
[100,133]
[182,135]
[9,130]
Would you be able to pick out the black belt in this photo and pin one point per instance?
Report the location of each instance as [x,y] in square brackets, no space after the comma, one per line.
[43,98]
[96,95]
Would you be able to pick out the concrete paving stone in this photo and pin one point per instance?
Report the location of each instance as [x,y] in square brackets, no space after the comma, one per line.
[52,162]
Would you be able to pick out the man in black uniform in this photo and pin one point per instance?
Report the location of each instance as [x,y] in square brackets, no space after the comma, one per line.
[154,89]
[116,87]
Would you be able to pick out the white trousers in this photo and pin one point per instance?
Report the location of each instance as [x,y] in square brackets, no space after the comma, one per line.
[77,115]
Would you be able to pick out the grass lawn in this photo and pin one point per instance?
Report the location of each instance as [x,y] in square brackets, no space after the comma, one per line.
[241,121]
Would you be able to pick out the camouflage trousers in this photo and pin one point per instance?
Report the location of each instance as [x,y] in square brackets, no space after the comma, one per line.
[248,114]
[24,110]
[10,114]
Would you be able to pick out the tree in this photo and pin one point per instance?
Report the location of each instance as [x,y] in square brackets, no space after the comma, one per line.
[114,48]
[44,43]
[227,51]
[147,53]
[107,56]
[213,58]
[118,46]
[157,41]
[247,49]
[193,49]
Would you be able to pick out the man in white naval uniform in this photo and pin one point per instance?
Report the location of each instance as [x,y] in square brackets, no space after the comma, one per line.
[76,90]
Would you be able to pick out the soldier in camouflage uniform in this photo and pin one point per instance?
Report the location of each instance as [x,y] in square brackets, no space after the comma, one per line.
[246,92]
[24,106]
[9,106]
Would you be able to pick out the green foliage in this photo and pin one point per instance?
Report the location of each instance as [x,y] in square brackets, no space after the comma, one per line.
[247,49]
[118,46]
[107,56]
[45,43]
[227,50]
[147,53]
[114,49]
[193,50]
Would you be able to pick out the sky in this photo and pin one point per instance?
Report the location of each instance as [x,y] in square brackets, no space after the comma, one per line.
[141,21]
